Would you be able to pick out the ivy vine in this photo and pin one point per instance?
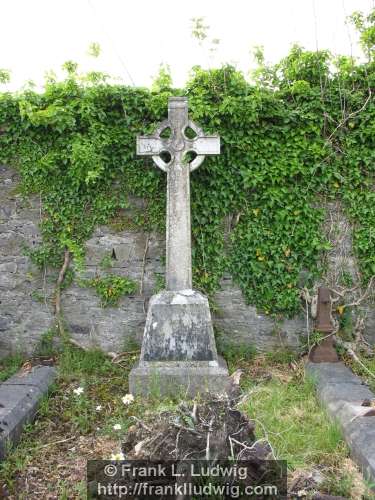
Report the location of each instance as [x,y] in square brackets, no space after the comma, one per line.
[300,134]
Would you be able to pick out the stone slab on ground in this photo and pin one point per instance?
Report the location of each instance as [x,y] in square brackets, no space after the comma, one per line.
[19,400]
[342,393]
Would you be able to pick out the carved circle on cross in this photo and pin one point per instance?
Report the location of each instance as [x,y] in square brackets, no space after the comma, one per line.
[177,142]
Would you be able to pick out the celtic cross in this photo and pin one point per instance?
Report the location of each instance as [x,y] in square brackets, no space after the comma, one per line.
[170,154]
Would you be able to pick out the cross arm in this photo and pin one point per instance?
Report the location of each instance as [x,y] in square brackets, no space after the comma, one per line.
[149,145]
[204,145]
[207,145]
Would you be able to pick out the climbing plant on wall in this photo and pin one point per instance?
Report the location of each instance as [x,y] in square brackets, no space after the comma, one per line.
[300,134]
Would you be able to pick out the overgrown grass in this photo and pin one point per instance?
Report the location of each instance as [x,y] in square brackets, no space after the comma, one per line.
[233,351]
[67,417]
[283,404]
[369,363]
[280,400]
[10,365]
[299,430]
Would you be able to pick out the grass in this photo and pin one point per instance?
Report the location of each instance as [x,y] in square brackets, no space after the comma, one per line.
[234,352]
[283,403]
[295,425]
[369,363]
[10,365]
[71,428]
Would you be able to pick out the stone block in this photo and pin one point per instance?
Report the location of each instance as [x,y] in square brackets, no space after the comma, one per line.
[178,328]
[19,400]
[179,378]
[40,377]
[178,351]
[360,435]
[342,393]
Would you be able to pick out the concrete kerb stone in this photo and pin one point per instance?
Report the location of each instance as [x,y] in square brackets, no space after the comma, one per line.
[342,394]
[20,396]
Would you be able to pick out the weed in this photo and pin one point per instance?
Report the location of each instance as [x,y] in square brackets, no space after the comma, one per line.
[10,365]
[233,351]
[288,415]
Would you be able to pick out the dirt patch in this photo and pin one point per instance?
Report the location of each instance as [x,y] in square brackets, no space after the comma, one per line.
[60,461]
[205,434]
[212,429]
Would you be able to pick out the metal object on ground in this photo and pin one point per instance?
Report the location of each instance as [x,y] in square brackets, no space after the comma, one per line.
[323,321]
[325,352]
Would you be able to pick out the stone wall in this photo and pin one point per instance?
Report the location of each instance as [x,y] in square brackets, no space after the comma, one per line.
[25,292]
[22,317]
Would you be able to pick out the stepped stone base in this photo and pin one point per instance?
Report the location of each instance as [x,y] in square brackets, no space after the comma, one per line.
[179,378]
[178,351]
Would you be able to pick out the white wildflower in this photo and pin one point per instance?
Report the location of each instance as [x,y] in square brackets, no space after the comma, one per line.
[98,408]
[128,399]
[117,427]
[78,391]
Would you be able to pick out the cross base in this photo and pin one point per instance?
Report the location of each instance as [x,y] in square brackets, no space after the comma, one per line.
[178,351]
[180,378]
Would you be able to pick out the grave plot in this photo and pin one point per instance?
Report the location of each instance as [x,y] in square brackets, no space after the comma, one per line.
[91,415]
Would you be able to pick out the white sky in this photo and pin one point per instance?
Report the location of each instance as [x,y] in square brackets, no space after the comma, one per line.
[137,35]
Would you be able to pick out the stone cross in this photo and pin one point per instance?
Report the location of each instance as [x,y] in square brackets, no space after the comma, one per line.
[169,154]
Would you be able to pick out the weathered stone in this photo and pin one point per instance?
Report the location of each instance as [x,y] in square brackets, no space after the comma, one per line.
[332,373]
[243,324]
[186,378]
[39,376]
[178,328]
[19,400]
[342,393]
[178,348]
[26,311]
[360,435]
[178,244]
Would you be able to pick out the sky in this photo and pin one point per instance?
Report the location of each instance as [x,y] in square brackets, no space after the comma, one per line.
[136,36]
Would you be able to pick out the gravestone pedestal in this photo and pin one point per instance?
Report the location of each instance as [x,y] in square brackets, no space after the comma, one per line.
[178,352]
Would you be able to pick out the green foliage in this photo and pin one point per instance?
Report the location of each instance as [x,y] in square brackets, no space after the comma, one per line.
[94,50]
[4,76]
[287,413]
[10,365]
[233,351]
[366,27]
[159,283]
[106,262]
[46,346]
[111,288]
[199,30]
[300,135]
[163,80]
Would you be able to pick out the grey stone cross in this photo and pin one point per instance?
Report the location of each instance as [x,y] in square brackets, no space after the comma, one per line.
[178,348]
[176,147]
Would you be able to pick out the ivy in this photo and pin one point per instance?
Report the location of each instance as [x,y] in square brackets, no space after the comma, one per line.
[300,135]
[111,288]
